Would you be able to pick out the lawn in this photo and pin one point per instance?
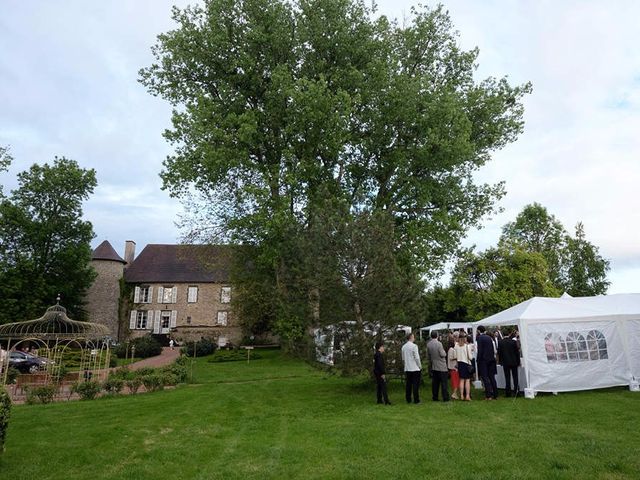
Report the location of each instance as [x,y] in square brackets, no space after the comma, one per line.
[279,418]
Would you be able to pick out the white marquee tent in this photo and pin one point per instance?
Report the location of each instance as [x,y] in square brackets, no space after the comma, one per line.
[577,343]
[445,326]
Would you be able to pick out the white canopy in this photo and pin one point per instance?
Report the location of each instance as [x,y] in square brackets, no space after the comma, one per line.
[576,343]
[445,326]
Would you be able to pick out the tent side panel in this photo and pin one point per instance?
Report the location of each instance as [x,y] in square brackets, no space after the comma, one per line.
[633,343]
[569,356]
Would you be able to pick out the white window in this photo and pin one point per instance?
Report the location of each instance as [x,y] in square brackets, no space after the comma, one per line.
[223,317]
[192,295]
[576,346]
[225,295]
[165,320]
[167,294]
[143,294]
[141,319]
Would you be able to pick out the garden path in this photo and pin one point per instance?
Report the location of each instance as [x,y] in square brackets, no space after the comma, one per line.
[167,357]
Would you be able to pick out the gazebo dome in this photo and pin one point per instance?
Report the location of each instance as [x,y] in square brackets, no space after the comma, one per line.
[54,324]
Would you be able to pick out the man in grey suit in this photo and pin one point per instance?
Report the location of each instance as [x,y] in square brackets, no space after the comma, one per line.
[438,366]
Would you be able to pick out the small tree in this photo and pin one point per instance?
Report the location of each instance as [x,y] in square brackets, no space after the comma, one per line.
[44,243]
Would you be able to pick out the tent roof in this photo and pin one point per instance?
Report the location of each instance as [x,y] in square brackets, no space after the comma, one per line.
[447,326]
[567,308]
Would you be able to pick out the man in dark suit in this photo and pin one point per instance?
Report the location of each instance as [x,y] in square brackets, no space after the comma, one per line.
[509,356]
[379,372]
[486,360]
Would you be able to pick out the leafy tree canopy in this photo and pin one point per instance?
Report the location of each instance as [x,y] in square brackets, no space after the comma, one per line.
[44,243]
[301,127]
[575,265]
[281,104]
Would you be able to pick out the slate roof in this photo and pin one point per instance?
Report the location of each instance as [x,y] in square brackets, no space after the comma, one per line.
[181,264]
[105,251]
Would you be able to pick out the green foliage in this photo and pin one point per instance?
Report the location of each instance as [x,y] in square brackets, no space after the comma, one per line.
[5,161]
[302,126]
[59,372]
[178,371]
[41,394]
[145,347]
[44,243]
[232,356]
[586,270]
[113,385]
[133,384]
[575,265]
[153,381]
[87,390]
[12,375]
[499,278]
[201,348]
[5,414]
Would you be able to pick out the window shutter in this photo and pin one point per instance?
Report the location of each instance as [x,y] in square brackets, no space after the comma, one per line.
[174,294]
[136,295]
[132,319]
[150,298]
[174,317]
[160,294]
[156,325]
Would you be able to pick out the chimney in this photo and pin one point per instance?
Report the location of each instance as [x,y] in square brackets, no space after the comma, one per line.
[129,251]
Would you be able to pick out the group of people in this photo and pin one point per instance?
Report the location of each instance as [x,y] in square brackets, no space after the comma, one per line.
[457,364]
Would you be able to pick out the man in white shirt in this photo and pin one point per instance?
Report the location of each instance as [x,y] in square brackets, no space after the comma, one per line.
[412,368]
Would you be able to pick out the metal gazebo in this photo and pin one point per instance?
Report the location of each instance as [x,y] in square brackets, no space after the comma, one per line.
[53,334]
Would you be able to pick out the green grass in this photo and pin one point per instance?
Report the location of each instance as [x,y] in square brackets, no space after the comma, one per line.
[279,418]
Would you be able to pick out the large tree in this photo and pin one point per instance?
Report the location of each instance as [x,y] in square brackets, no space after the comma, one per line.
[44,243]
[498,278]
[575,264]
[285,110]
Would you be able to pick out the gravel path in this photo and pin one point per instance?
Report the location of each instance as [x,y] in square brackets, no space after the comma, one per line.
[167,357]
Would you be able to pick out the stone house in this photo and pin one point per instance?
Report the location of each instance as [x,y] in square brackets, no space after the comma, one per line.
[177,291]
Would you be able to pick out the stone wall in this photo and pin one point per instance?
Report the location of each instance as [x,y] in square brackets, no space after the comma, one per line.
[193,319]
[104,295]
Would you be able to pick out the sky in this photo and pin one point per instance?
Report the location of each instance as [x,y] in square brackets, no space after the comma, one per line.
[68,87]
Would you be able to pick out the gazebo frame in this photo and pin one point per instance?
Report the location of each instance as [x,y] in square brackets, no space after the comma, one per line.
[54,333]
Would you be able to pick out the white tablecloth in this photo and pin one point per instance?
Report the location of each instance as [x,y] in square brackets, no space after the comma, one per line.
[521,378]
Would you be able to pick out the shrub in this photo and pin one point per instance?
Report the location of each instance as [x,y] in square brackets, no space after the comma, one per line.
[232,356]
[113,362]
[152,382]
[12,375]
[5,413]
[59,372]
[87,390]
[133,384]
[202,347]
[169,378]
[123,373]
[178,370]
[142,372]
[42,394]
[145,347]
[113,385]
